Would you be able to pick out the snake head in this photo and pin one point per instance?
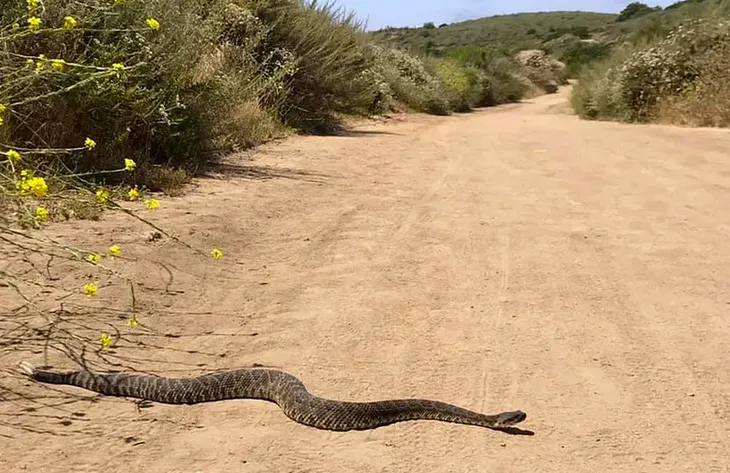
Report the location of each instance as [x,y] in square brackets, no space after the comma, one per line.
[507,419]
[26,368]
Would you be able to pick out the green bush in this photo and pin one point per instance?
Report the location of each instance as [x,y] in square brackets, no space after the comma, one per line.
[329,50]
[501,83]
[403,78]
[177,93]
[637,82]
[634,10]
[581,55]
[171,84]
[461,84]
[498,72]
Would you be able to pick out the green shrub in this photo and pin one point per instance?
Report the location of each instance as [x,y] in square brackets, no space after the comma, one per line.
[498,72]
[329,50]
[684,71]
[580,55]
[634,10]
[460,83]
[402,77]
[501,83]
[178,96]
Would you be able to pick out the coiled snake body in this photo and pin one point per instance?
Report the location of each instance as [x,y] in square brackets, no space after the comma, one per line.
[284,389]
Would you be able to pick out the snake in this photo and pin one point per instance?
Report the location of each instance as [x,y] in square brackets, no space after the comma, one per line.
[279,387]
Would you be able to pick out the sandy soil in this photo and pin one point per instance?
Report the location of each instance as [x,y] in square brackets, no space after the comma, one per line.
[513,258]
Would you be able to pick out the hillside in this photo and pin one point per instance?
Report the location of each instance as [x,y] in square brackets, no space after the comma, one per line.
[512,32]
[542,30]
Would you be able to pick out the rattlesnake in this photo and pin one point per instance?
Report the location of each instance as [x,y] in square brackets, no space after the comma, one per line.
[284,389]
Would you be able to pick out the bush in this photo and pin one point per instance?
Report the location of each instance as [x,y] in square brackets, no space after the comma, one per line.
[461,83]
[502,84]
[172,84]
[401,77]
[686,72]
[329,50]
[581,55]
[498,80]
[543,71]
[634,10]
[164,94]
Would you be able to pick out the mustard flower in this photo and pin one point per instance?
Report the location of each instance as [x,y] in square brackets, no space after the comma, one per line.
[41,214]
[69,23]
[90,289]
[34,23]
[13,156]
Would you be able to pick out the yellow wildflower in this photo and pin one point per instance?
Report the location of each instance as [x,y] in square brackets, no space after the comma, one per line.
[58,64]
[153,24]
[69,23]
[38,186]
[13,156]
[94,258]
[114,250]
[216,253]
[90,289]
[89,143]
[2,108]
[106,341]
[29,62]
[129,165]
[41,214]
[102,195]
[133,194]
[118,67]
[119,2]
[133,322]
[39,66]
[1,121]
[32,4]
[34,23]
[152,204]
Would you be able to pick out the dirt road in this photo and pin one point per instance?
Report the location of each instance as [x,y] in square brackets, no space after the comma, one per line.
[513,258]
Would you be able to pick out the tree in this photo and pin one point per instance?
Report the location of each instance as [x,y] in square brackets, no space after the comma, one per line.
[429,25]
[634,10]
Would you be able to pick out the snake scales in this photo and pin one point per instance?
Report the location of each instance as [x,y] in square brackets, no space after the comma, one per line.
[284,389]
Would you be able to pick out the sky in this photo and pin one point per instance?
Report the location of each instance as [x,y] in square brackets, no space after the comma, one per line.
[381,13]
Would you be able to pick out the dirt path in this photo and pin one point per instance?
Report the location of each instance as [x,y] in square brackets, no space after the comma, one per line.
[514,258]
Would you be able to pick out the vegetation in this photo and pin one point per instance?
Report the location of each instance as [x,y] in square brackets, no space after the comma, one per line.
[208,76]
[679,77]
[105,101]
[635,10]
[510,33]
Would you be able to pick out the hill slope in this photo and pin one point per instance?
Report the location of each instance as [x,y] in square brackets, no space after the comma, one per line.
[541,30]
[512,32]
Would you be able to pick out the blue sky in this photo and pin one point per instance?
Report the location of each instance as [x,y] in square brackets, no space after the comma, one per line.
[381,13]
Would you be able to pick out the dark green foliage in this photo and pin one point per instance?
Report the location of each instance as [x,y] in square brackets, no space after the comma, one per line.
[634,10]
[581,55]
